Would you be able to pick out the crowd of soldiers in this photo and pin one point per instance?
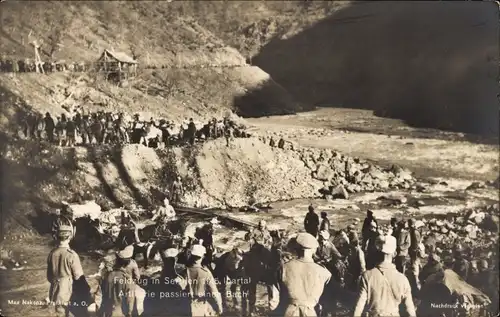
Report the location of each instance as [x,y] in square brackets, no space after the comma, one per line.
[382,268]
[117,128]
[29,66]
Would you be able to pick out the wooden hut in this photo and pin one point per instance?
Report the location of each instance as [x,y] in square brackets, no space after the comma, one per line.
[117,65]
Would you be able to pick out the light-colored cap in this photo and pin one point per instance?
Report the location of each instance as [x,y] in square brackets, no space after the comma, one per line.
[65,228]
[198,250]
[170,253]
[214,221]
[126,253]
[419,224]
[324,234]
[307,241]
[386,244]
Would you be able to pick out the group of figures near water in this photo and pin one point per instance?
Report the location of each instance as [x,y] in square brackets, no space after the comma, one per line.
[312,273]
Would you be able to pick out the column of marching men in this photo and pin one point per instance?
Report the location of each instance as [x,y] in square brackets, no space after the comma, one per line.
[117,128]
[382,268]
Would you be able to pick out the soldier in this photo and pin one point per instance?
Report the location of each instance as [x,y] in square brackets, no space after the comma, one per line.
[15,67]
[201,286]
[356,262]
[174,283]
[366,230]
[49,127]
[165,134]
[228,131]
[383,289]
[281,143]
[260,235]
[414,251]
[404,241]
[164,213]
[191,131]
[118,290]
[327,252]
[71,132]
[132,270]
[177,191]
[394,227]
[61,129]
[205,235]
[63,267]
[301,281]
[311,222]
[325,222]
[370,248]
[212,129]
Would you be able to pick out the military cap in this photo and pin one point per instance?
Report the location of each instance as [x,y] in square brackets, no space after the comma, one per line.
[351,227]
[307,241]
[126,253]
[65,228]
[170,253]
[198,250]
[386,244]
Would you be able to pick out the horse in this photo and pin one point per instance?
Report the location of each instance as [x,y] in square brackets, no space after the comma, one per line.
[151,135]
[259,264]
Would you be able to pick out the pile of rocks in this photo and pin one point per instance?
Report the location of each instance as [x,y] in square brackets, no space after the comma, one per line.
[342,174]
[475,229]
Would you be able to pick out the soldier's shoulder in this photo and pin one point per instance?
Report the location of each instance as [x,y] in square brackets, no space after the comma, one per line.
[72,252]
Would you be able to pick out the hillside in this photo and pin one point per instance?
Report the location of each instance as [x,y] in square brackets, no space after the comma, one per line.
[184,69]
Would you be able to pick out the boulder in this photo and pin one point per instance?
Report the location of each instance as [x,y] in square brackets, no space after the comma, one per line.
[340,192]
[394,199]
[383,184]
[475,185]
[324,172]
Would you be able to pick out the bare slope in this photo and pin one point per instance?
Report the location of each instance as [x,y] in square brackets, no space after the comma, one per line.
[195,72]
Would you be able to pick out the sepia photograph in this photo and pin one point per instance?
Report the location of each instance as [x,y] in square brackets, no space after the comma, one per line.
[307,158]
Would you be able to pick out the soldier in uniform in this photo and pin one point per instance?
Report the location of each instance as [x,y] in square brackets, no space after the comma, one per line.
[356,262]
[204,296]
[228,131]
[164,214]
[325,222]
[63,267]
[49,127]
[260,235]
[403,239]
[415,240]
[326,250]
[301,281]
[177,191]
[191,130]
[311,222]
[118,290]
[383,289]
[205,235]
[71,132]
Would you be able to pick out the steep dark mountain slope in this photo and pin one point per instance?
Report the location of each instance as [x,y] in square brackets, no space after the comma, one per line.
[433,64]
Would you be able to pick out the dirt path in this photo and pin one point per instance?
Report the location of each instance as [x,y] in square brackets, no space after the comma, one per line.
[445,154]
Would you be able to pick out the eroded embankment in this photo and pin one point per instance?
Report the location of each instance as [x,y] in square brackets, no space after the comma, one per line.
[213,175]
